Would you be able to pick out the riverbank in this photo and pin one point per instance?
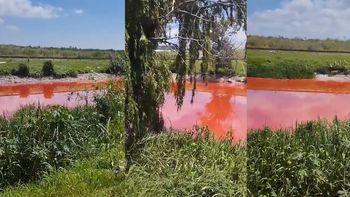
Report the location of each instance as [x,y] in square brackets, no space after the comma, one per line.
[296,65]
[105,76]
[80,77]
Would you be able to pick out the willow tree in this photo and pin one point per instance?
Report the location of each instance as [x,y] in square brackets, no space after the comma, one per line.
[147,80]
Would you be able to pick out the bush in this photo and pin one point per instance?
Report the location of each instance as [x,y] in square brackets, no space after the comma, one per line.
[116,65]
[37,141]
[72,73]
[22,71]
[48,69]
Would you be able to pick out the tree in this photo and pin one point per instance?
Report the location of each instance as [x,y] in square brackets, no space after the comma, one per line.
[147,80]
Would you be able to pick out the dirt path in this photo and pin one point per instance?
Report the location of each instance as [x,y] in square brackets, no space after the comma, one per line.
[337,77]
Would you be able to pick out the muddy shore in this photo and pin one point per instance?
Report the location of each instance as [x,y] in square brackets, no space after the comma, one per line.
[104,76]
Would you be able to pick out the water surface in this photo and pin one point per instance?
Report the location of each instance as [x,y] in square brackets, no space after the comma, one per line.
[220,107]
[283,103]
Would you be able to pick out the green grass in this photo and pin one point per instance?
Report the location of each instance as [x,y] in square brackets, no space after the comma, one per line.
[62,67]
[166,165]
[289,65]
[311,160]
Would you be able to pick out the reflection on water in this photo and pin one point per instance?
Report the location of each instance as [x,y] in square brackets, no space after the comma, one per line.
[221,107]
[282,103]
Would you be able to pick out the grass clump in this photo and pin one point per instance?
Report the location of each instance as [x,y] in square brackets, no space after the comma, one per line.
[37,141]
[48,69]
[168,164]
[311,160]
[22,70]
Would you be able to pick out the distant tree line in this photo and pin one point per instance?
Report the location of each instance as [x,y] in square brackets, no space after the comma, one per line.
[298,43]
[71,52]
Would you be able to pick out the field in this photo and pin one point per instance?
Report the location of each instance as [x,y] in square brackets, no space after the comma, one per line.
[295,65]
[298,43]
[311,160]
[61,66]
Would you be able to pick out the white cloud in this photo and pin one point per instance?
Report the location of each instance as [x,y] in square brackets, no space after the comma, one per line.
[78,11]
[304,19]
[25,9]
[12,27]
[1,21]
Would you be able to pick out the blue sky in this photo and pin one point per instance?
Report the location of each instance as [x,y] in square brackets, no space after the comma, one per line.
[261,5]
[78,23]
[318,19]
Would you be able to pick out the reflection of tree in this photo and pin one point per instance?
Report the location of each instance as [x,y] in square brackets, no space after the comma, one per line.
[218,111]
[24,91]
[48,91]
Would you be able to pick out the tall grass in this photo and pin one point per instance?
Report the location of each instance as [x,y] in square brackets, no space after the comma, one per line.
[37,141]
[312,160]
[169,164]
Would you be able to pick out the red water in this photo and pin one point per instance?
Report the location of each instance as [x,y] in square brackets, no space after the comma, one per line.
[220,107]
[282,103]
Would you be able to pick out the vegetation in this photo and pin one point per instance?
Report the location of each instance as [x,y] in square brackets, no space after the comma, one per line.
[38,141]
[311,160]
[292,64]
[22,70]
[298,43]
[51,52]
[62,67]
[48,69]
[167,165]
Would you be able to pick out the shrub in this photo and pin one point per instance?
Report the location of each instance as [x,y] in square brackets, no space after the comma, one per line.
[48,69]
[22,71]
[72,73]
[116,65]
[37,141]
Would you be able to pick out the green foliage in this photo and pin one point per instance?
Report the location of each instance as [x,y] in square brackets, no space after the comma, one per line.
[298,44]
[51,52]
[22,71]
[117,65]
[168,165]
[37,141]
[282,70]
[311,160]
[48,69]
[62,68]
[110,106]
[285,64]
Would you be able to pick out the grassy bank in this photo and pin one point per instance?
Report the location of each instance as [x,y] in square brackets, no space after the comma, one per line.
[167,165]
[312,160]
[62,67]
[295,65]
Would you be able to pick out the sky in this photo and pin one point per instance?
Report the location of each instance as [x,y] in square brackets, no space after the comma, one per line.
[318,19]
[50,23]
